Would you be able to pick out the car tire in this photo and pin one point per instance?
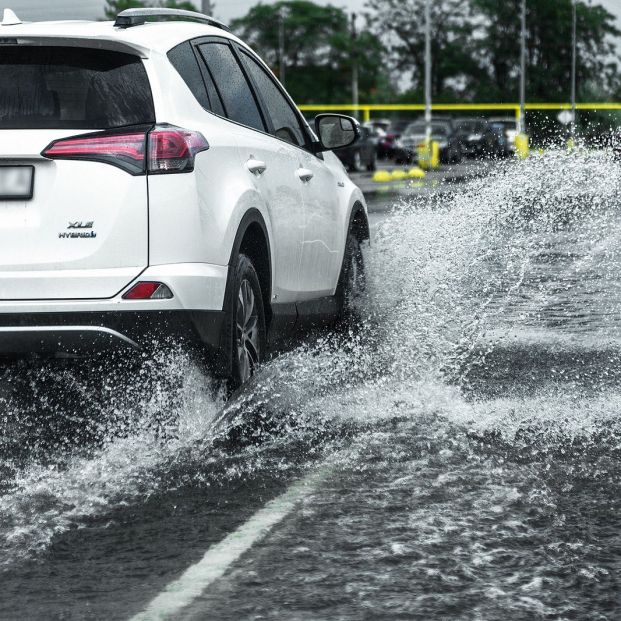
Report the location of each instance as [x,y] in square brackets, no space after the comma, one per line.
[352,284]
[245,329]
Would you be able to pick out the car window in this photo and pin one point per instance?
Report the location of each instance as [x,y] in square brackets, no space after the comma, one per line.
[415,128]
[184,61]
[285,121]
[79,88]
[231,84]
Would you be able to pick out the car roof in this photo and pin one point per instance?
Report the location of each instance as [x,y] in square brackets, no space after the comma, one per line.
[502,119]
[149,37]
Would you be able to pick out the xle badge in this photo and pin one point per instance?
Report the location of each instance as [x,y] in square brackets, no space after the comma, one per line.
[76,234]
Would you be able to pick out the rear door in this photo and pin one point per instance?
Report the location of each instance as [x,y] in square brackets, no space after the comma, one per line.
[268,163]
[322,236]
[82,231]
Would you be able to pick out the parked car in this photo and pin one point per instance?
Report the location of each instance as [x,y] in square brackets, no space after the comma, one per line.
[478,138]
[386,147]
[504,146]
[510,127]
[442,131]
[156,183]
[363,153]
[381,124]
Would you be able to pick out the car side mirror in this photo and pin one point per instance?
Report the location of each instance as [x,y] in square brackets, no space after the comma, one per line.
[336,131]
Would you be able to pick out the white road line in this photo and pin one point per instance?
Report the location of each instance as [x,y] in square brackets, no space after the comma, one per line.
[193,582]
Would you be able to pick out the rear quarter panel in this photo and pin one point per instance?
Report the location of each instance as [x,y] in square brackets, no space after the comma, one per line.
[194,217]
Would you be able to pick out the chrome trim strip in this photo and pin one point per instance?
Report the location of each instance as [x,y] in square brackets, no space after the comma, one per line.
[56,329]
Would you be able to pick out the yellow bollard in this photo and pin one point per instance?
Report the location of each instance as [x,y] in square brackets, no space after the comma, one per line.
[416,173]
[522,149]
[382,176]
[399,175]
[428,155]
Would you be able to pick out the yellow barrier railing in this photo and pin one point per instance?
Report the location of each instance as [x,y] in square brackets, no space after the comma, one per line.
[366,109]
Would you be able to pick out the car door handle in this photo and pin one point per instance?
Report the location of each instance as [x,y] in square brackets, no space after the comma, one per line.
[256,167]
[304,174]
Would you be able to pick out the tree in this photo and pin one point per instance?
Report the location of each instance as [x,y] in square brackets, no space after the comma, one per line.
[476,50]
[114,7]
[549,38]
[402,25]
[319,50]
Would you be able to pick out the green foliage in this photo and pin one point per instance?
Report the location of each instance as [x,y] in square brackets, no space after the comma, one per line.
[319,50]
[549,36]
[476,48]
[114,7]
[452,46]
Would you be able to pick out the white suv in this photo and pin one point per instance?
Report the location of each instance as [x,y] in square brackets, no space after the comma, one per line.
[155,179]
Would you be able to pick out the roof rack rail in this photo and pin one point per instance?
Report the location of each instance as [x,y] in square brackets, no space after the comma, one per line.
[137,17]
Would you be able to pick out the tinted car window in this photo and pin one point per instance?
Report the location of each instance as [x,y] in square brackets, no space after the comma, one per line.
[184,61]
[65,88]
[233,88]
[437,129]
[285,121]
[472,127]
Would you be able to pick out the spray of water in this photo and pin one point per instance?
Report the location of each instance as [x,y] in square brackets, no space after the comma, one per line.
[453,280]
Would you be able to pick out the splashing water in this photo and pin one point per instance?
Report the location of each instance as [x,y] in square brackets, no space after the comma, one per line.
[481,399]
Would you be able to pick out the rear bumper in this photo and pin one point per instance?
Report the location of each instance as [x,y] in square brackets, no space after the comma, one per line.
[83,333]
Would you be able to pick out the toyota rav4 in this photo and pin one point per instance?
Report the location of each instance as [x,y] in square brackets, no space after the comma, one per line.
[156,179]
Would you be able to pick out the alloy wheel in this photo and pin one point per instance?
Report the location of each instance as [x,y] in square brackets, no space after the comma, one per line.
[247,320]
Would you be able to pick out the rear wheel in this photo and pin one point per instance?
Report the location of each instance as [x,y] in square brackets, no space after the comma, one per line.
[245,337]
[352,283]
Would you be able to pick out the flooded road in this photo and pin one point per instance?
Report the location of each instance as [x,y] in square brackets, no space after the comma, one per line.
[456,459]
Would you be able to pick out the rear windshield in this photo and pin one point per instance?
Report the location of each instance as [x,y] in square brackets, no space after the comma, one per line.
[437,129]
[473,127]
[65,88]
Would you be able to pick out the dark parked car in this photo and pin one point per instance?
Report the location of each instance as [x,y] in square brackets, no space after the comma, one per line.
[386,146]
[442,131]
[505,148]
[479,139]
[363,153]
[511,129]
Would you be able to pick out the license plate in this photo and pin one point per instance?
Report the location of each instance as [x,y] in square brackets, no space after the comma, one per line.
[16,182]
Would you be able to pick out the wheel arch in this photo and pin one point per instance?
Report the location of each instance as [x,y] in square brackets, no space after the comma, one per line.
[253,240]
[359,223]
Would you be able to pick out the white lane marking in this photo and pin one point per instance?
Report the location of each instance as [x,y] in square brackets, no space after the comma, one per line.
[219,557]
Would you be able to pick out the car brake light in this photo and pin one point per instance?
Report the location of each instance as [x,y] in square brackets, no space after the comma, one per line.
[148,291]
[172,149]
[124,150]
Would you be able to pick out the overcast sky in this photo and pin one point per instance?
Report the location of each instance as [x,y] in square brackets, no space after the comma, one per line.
[225,9]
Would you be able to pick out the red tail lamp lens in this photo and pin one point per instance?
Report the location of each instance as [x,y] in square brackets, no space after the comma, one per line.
[148,291]
[172,149]
[127,151]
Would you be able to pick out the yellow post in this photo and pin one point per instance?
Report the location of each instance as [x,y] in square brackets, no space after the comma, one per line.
[522,148]
[428,155]
[435,154]
[366,114]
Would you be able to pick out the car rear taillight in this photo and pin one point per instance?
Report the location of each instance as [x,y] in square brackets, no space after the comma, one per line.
[124,150]
[148,291]
[170,149]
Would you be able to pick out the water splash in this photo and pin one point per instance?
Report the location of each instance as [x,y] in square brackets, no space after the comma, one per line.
[450,277]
